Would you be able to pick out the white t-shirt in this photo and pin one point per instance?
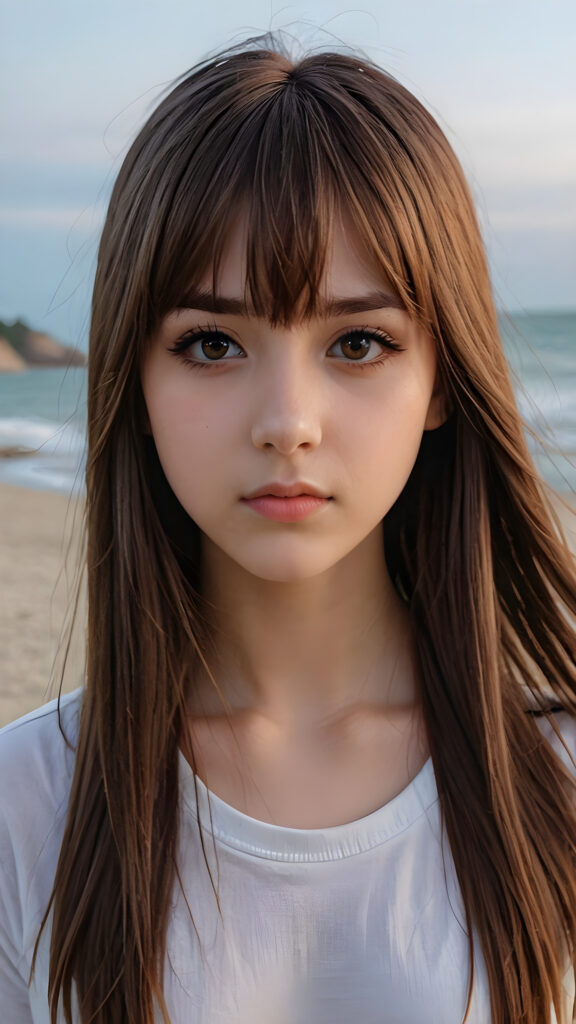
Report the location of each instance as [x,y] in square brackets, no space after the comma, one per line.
[361,922]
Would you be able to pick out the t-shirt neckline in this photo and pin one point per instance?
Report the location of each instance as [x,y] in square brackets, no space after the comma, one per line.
[236,830]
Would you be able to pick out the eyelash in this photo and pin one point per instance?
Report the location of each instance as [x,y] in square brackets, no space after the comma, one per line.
[210,334]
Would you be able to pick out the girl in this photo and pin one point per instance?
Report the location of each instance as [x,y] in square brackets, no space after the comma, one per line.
[320,770]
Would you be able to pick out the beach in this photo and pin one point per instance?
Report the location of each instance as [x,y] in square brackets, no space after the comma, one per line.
[36,582]
[37,573]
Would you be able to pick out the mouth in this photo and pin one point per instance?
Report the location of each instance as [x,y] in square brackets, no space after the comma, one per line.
[287,509]
[296,490]
[288,497]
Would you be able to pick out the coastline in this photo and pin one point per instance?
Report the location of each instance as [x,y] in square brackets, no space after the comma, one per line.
[37,565]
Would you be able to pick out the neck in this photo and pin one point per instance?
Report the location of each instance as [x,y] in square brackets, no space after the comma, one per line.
[307,652]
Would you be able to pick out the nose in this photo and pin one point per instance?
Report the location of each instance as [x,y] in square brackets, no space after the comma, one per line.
[288,413]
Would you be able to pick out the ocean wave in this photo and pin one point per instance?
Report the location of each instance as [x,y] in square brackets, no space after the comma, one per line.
[41,454]
[551,411]
[39,435]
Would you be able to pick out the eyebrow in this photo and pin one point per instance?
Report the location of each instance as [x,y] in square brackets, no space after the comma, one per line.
[210,303]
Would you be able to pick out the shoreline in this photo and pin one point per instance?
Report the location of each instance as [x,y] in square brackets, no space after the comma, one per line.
[38,558]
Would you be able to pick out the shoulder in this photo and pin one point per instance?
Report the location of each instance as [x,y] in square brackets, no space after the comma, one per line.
[42,721]
[36,767]
[37,750]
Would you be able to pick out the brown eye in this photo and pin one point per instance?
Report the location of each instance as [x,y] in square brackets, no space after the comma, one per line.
[214,348]
[204,346]
[356,345]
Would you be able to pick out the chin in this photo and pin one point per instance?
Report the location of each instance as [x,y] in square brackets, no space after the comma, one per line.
[289,560]
[288,569]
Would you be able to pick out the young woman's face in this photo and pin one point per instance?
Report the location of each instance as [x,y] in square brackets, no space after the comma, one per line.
[337,404]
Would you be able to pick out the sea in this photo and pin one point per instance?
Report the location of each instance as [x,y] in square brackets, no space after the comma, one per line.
[43,412]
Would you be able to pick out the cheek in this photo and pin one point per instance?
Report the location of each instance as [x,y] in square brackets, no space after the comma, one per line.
[382,449]
[191,434]
[181,413]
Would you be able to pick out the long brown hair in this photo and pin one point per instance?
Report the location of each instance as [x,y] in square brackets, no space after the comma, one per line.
[472,542]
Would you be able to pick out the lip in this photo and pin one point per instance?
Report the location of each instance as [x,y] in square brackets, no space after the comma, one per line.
[286,510]
[294,490]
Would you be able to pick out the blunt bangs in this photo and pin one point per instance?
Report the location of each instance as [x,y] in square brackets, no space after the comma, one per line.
[288,150]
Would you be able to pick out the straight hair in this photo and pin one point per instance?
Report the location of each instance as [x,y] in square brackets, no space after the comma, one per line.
[472,542]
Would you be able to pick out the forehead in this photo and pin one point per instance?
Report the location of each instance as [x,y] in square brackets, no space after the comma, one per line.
[349,270]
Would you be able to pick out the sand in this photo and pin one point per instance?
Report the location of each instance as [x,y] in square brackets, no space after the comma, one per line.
[35,586]
[36,583]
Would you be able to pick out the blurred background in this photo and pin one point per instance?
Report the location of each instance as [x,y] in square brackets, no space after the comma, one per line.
[77,79]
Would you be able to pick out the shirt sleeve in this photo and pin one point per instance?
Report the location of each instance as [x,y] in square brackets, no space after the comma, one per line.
[14,998]
[36,768]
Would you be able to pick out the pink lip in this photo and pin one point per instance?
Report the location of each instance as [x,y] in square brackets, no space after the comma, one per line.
[286,510]
[283,490]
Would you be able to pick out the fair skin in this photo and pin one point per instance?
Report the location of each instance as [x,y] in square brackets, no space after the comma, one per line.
[314,653]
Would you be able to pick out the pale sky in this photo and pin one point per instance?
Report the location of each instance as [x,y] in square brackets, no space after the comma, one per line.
[77,78]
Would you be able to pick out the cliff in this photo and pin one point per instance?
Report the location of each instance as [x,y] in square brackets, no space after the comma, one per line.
[21,348]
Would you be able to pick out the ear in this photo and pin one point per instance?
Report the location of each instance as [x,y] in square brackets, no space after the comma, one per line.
[440,405]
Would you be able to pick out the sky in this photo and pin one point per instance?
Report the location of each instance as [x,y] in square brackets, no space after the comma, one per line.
[78,77]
